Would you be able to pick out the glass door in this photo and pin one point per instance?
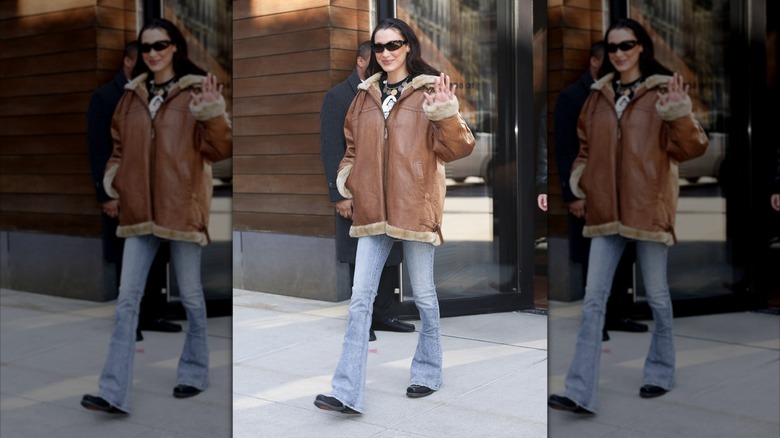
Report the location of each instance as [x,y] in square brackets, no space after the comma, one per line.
[476,268]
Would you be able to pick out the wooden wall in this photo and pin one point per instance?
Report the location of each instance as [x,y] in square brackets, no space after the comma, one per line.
[54,55]
[286,55]
[573,26]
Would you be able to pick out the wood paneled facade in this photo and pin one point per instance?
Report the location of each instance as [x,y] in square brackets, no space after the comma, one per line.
[573,26]
[286,56]
[54,55]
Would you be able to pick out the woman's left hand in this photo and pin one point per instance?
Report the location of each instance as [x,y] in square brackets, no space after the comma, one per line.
[676,90]
[210,90]
[442,91]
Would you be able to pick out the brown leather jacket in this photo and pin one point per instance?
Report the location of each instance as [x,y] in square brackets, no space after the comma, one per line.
[161,170]
[628,167]
[394,170]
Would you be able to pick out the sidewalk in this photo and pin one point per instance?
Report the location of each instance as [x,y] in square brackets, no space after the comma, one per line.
[285,351]
[53,350]
[728,379]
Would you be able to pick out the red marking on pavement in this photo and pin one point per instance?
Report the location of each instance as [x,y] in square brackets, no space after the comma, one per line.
[139,350]
[606,350]
[373,350]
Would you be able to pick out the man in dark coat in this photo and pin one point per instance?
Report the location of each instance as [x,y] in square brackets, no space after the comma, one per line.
[100,146]
[567,146]
[332,146]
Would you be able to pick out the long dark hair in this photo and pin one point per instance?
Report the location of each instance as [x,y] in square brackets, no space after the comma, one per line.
[181,61]
[648,65]
[414,62]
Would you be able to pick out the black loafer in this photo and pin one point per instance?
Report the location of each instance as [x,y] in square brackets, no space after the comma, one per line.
[626,325]
[371,335]
[651,391]
[328,403]
[160,325]
[417,391]
[95,403]
[392,324]
[185,391]
[561,403]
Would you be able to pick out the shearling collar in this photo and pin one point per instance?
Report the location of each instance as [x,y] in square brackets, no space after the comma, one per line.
[183,83]
[418,81]
[649,83]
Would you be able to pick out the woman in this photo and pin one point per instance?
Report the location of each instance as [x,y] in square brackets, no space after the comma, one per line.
[401,128]
[634,128]
[168,128]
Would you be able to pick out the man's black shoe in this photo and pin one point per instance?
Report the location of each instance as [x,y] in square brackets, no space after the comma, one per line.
[371,335]
[392,324]
[626,325]
[138,336]
[561,403]
[95,403]
[417,391]
[328,403]
[651,391]
[185,391]
[159,325]
[604,335]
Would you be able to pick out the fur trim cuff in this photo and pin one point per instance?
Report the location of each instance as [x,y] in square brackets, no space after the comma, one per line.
[208,110]
[341,181]
[108,179]
[574,181]
[441,110]
[674,110]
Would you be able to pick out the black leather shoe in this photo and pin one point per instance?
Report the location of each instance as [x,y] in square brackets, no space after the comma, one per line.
[417,391]
[138,336]
[604,335]
[185,391]
[561,403]
[392,324]
[626,325]
[371,335]
[651,391]
[328,403]
[160,325]
[95,403]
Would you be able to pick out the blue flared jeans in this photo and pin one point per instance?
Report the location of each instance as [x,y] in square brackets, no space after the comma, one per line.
[349,379]
[116,379]
[583,376]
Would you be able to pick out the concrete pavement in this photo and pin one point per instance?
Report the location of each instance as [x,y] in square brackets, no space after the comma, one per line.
[286,349]
[52,351]
[728,379]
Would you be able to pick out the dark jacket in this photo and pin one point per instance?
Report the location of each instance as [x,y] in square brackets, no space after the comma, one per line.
[99,148]
[332,146]
[161,169]
[541,152]
[627,168]
[394,169]
[565,115]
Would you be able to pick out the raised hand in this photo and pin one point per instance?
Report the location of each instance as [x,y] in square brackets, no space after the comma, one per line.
[210,90]
[442,91]
[676,90]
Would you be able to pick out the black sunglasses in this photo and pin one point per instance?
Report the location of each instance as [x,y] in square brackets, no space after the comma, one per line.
[391,46]
[625,46]
[158,46]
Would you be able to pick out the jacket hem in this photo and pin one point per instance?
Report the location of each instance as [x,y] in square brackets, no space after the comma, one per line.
[378,228]
[611,228]
[145,228]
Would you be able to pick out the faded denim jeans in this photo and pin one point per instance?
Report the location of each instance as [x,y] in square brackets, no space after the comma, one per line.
[583,376]
[349,379]
[116,379]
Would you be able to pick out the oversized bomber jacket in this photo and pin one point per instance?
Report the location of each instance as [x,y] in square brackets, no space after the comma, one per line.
[393,170]
[627,168]
[160,170]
